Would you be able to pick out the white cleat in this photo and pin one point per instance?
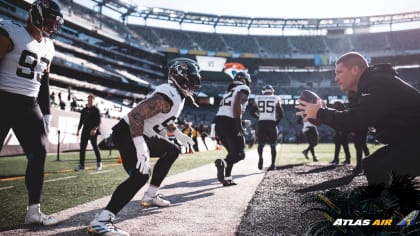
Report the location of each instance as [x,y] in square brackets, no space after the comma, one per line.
[39,218]
[156,200]
[105,227]
[99,166]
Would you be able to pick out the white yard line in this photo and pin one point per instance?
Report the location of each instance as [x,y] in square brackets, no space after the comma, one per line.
[100,172]
[52,180]
[7,187]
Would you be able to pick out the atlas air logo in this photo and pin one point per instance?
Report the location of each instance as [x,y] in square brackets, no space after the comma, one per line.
[364,222]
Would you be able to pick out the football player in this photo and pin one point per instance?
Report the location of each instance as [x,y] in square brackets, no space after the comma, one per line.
[26,52]
[228,126]
[267,108]
[141,134]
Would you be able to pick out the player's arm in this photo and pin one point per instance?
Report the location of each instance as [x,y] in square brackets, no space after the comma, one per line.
[6,44]
[148,108]
[44,93]
[254,110]
[279,112]
[240,99]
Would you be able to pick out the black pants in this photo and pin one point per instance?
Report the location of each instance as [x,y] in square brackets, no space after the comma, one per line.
[360,146]
[312,137]
[83,144]
[341,139]
[24,117]
[267,134]
[234,144]
[402,158]
[158,147]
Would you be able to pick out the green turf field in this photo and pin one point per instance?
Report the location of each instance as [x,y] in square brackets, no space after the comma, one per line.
[64,188]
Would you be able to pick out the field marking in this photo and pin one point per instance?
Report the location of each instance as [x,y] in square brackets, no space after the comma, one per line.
[7,187]
[52,180]
[100,172]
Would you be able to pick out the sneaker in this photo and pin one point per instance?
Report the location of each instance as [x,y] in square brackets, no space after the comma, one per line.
[228,181]
[272,167]
[156,200]
[315,159]
[105,227]
[346,162]
[39,218]
[305,153]
[79,168]
[99,166]
[260,163]
[334,162]
[220,165]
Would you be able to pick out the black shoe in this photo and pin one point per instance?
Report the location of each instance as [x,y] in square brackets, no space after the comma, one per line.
[315,159]
[220,170]
[334,162]
[228,183]
[357,170]
[260,164]
[305,153]
[272,167]
[346,162]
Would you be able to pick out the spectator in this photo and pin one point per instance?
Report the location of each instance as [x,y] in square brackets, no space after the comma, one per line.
[26,53]
[90,119]
[383,101]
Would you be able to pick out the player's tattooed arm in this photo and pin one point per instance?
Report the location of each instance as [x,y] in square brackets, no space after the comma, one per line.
[146,109]
[240,99]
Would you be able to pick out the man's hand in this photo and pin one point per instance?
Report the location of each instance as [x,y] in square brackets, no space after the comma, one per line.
[47,122]
[238,126]
[92,132]
[308,110]
[183,138]
[143,155]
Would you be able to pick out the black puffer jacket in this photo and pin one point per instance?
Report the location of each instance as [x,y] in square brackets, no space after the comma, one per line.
[383,101]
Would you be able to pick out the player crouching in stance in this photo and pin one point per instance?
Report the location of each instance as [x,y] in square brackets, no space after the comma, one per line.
[140,134]
[229,128]
[267,108]
[26,53]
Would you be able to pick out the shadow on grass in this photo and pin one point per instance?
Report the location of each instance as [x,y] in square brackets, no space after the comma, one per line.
[319,169]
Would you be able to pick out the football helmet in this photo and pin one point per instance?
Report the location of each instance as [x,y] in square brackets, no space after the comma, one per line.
[267,89]
[243,77]
[46,16]
[185,74]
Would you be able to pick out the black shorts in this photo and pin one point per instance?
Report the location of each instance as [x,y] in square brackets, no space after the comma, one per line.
[121,136]
[267,132]
[225,130]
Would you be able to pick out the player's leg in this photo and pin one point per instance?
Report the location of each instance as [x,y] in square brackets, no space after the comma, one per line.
[34,145]
[94,142]
[84,138]
[167,153]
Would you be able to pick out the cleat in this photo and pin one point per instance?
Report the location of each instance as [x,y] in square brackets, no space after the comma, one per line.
[260,163]
[220,165]
[272,167]
[346,162]
[315,159]
[334,162]
[305,153]
[228,181]
[99,166]
[79,168]
[156,200]
[105,227]
[38,218]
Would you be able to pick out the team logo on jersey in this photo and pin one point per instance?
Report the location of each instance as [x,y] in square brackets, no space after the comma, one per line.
[231,68]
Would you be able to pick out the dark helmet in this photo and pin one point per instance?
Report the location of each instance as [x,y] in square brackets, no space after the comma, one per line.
[268,89]
[243,77]
[185,74]
[46,16]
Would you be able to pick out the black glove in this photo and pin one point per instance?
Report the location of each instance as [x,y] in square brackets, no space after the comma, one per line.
[238,126]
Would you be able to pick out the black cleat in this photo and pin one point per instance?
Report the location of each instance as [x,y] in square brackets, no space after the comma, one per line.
[315,159]
[220,170]
[228,183]
[346,162]
[334,162]
[272,167]
[260,163]
[305,153]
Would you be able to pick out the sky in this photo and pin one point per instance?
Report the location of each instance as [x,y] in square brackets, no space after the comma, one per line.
[288,9]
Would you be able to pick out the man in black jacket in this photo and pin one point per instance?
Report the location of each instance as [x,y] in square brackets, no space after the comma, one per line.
[382,101]
[90,119]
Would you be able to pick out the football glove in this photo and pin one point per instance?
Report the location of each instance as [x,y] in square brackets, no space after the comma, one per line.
[143,155]
[183,138]
[47,122]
